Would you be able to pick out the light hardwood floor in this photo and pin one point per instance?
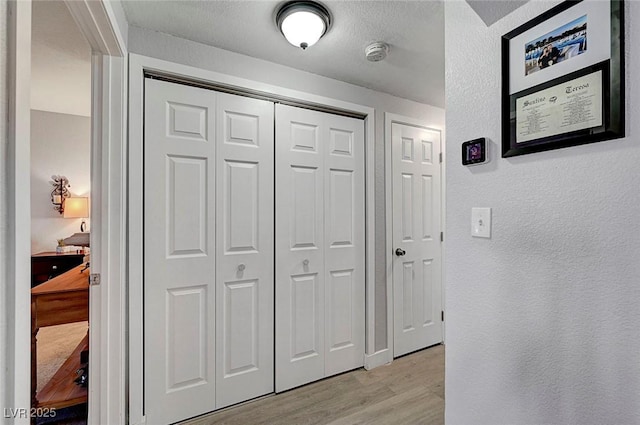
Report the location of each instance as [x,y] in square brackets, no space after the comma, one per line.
[408,391]
[55,344]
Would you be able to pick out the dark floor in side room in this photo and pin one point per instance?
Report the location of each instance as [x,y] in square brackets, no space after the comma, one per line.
[75,415]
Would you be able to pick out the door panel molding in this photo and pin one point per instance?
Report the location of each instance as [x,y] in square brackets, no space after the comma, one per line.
[416,294]
[179,251]
[300,240]
[329,205]
[245,259]
[425,152]
[208,253]
[139,66]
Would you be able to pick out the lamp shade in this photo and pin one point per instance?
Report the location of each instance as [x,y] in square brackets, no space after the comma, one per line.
[76,207]
[303,23]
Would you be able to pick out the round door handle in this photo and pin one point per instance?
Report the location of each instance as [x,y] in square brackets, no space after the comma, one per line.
[305,262]
[241,267]
[400,252]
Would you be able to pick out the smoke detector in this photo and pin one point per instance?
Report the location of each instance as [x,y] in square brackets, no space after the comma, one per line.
[375,52]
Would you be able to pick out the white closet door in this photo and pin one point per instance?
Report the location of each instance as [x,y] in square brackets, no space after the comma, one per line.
[299,248]
[417,278]
[179,251]
[319,245]
[245,261]
[344,243]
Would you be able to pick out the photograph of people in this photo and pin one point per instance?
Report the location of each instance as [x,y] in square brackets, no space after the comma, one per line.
[563,43]
[550,55]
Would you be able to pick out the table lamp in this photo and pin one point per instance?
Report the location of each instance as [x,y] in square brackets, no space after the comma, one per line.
[77,208]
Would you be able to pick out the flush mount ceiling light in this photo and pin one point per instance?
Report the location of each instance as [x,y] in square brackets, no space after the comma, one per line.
[303,23]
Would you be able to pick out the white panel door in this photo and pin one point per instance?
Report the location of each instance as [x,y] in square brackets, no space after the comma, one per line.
[319,245]
[299,248]
[344,243]
[245,261]
[179,251]
[417,278]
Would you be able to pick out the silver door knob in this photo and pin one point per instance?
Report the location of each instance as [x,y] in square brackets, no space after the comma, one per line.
[305,263]
[241,267]
[400,252]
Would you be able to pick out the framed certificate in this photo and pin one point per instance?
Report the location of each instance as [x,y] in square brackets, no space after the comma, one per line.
[563,79]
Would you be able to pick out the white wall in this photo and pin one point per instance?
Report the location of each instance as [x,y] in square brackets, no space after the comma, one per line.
[3,198]
[60,144]
[60,61]
[542,319]
[186,52]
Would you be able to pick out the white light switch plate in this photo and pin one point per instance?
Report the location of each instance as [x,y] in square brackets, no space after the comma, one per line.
[481,222]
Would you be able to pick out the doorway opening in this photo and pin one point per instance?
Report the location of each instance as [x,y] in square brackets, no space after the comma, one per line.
[102,28]
[61,78]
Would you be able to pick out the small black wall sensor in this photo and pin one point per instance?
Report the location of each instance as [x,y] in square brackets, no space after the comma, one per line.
[475,152]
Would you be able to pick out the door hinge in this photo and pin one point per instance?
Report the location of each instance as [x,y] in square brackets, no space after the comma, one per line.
[94,279]
[441,236]
[440,156]
[442,315]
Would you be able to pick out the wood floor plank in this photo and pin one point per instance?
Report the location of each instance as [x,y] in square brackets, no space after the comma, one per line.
[408,391]
[416,406]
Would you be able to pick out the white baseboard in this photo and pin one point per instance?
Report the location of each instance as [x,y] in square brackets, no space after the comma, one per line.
[376,359]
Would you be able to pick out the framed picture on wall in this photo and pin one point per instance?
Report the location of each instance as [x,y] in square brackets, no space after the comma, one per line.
[563,78]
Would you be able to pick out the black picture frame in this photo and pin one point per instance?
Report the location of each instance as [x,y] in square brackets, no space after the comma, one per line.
[613,93]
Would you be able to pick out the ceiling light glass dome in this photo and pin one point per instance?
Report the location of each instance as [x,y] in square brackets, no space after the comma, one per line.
[303,23]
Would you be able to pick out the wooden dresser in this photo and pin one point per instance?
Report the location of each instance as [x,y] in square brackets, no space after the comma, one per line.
[46,265]
[63,299]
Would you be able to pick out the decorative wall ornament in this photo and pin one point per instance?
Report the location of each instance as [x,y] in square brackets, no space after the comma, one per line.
[60,192]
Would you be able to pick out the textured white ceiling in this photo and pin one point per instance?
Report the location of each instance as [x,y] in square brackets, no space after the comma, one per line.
[413,70]
[60,61]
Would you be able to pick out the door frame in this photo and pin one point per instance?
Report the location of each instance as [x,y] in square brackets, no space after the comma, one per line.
[98,23]
[389,119]
[138,66]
